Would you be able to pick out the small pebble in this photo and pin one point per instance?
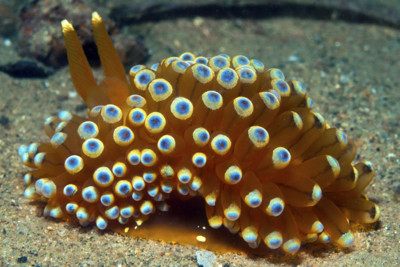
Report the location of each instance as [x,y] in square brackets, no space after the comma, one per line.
[22,259]
[7,42]
[293,58]
[72,94]
[344,79]
[201,238]
[391,155]
[205,258]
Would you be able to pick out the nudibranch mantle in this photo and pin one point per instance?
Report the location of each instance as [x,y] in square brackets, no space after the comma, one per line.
[227,130]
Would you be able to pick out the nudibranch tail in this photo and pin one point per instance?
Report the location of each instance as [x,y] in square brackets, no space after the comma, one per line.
[225,130]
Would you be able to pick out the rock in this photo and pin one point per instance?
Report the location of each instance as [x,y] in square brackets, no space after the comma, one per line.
[205,258]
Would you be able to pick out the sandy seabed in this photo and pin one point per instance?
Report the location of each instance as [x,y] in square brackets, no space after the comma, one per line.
[351,71]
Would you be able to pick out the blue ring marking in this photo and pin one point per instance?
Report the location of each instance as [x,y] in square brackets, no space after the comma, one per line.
[244,103]
[137,195]
[182,107]
[58,138]
[155,121]
[155,66]
[248,235]
[221,144]
[97,108]
[234,176]
[136,101]
[123,188]
[201,60]
[276,73]
[136,68]
[246,73]
[282,86]
[196,184]
[61,126]
[183,189]
[134,158]
[199,159]
[184,176]
[138,183]
[101,223]
[147,158]
[149,177]
[292,245]
[182,64]
[48,189]
[112,212]
[146,207]
[201,136]
[107,199]
[93,146]
[87,130]
[309,102]
[203,70]
[24,149]
[25,158]
[232,215]
[126,212]
[152,191]
[27,178]
[342,137]
[166,187]
[254,198]
[214,96]
[260,134]
[82,214]
[172,59]
[112,111]
[71,208]
[143,78]
[90,194]
[271,97]
[284,155]
[212,100]
[257,63]
[187,57]
[103,177]
[74,163]
[56,212]
[280,157]
[220,62]
[274,240]
[119,170]
[299,87]
[39,158]
[228,75]
[138,116]
[70,190]
[165,143]
[242,60]
[65,115]
[125,134]
[39,184]
[276,208]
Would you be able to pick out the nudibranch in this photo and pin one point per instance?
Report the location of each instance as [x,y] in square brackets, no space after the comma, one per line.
[226,130]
